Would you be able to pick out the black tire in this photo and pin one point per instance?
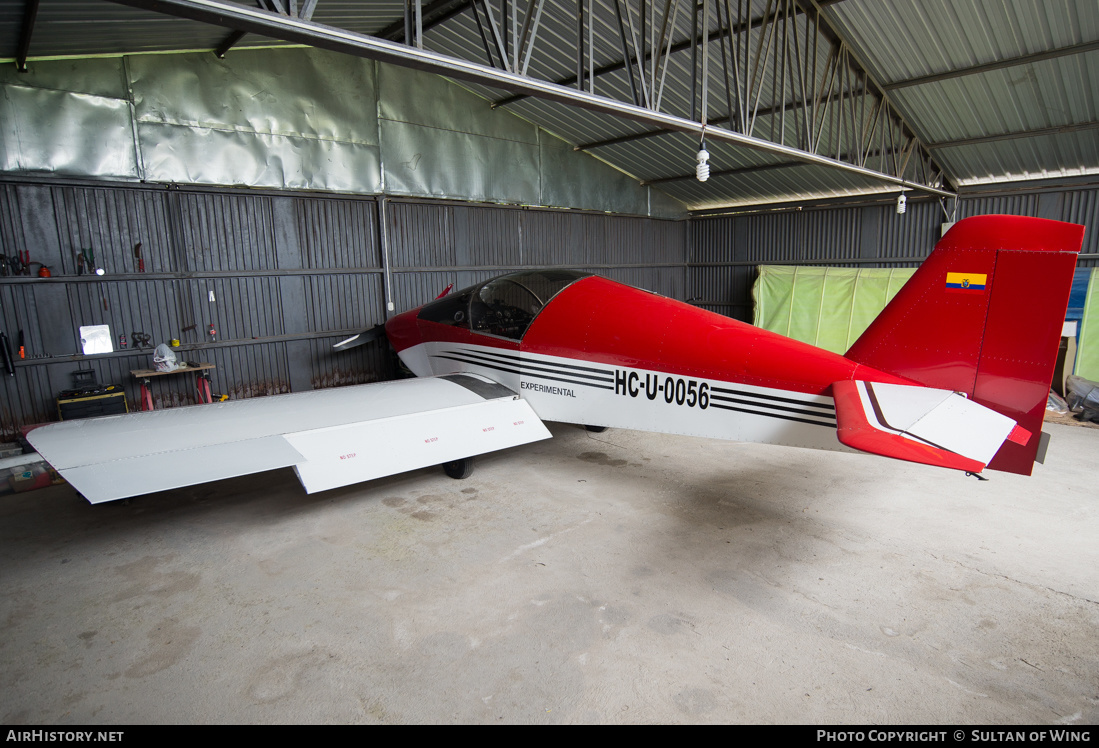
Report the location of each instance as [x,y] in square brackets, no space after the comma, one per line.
[459,469]
[596,429]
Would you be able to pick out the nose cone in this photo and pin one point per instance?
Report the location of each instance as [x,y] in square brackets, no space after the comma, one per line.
[403,330]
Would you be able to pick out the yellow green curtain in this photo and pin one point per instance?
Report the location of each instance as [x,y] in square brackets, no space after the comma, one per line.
[828,307]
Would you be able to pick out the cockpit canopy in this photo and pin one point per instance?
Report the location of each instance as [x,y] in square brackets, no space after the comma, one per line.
[503,306]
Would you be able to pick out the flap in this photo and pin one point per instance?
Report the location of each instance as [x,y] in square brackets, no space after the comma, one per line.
[343,455]
[920,424]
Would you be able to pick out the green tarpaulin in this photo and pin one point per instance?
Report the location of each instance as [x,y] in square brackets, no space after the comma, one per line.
[828,307]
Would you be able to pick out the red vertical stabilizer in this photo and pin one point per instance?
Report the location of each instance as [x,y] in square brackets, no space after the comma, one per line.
[983,315]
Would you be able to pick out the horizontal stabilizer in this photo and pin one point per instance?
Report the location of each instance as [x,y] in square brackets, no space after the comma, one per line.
[333,437]
[921,424]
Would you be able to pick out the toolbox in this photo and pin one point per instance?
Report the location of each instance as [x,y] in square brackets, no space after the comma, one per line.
[88,398]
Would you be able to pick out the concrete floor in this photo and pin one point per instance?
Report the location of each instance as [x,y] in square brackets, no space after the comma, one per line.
[611,578]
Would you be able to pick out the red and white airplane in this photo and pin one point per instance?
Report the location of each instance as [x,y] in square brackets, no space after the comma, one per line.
[954,372]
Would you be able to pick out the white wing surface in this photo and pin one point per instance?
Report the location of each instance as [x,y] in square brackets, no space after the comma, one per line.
[333,437]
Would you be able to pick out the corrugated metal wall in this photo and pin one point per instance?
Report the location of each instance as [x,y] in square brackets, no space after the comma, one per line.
[280,275]
[724,251]
[283,275]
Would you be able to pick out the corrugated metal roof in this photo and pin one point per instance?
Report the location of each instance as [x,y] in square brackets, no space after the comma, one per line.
[1024,120]
[911,39]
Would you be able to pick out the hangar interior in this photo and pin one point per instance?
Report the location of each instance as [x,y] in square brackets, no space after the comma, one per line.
[260,180]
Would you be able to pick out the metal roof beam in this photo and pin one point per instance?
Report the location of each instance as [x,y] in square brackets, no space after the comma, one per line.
[434,13]
[530,33]
[742,170]
[296,31]
[30,14]
[497,36]
[724,173]
[228,43]
[1075,49]
[1038,132]
[305,13]
[789,106]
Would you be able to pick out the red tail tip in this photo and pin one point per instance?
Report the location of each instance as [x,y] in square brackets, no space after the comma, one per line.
[1014,232]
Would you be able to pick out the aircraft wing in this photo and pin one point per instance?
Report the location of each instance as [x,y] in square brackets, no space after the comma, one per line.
[332,437]
[921,424]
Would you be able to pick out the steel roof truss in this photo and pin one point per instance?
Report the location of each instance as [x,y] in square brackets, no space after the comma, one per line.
[30,14]
[837,100]
[484,36]
[283,7]
[500,37]
[530,33]
[432,15]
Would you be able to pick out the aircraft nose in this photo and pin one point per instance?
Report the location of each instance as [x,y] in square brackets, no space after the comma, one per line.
[402,330]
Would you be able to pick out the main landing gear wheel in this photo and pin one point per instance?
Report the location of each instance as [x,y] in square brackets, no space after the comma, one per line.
[596,429]
[459,469]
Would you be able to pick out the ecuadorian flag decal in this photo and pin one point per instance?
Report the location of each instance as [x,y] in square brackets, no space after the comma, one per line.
[972,282]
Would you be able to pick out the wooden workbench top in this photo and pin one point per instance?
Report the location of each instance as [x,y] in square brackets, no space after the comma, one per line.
[183,368]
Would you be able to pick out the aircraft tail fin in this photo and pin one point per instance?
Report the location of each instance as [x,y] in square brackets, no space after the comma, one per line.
[983,316]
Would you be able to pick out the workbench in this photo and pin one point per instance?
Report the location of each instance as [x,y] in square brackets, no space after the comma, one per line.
[202,381]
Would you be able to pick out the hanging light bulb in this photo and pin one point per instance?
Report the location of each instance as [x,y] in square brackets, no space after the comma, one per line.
[702,171]
[902,202]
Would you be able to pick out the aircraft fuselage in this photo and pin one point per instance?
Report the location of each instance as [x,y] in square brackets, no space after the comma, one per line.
[604,354]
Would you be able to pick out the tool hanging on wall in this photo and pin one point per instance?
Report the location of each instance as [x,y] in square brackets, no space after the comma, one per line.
[141,340]
[139,258]
[85,262]
[5,352]
[22,346]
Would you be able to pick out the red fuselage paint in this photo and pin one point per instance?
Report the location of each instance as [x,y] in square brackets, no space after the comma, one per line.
[601,321]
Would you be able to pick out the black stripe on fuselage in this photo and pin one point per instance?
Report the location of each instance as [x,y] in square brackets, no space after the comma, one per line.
[776,398]
[539,365]
[520,367]
[829,419]
[775,415]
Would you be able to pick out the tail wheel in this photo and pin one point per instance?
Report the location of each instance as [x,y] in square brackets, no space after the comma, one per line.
[459,469]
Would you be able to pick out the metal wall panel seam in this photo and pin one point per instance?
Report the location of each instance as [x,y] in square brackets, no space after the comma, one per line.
[383,247]
[139,157]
